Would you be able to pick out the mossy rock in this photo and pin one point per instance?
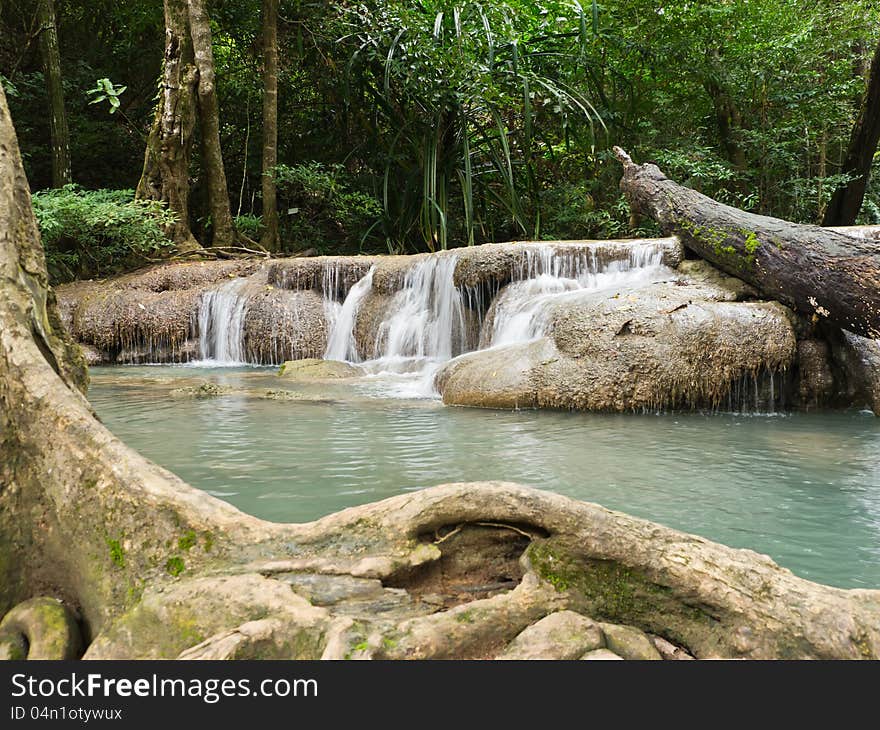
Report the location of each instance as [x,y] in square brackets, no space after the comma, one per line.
[46,625]
[629,643]
[561,635]
[314,369]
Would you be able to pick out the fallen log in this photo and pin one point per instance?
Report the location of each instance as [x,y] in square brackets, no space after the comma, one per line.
[825,274]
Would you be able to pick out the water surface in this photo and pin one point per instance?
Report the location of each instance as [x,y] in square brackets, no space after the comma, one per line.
[803,488]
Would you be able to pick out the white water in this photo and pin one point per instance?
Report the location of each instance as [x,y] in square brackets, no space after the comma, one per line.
[425,328]
[428,320]
[341,344]
[523,311]
[221,324]
[431,320]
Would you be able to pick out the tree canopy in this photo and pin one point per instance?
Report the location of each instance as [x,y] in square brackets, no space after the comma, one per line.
[406,126]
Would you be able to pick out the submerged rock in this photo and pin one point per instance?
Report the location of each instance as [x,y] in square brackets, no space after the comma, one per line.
[316,369]
[204,390]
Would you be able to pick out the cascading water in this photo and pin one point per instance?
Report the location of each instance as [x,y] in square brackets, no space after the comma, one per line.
[341,344]
[428,320]
[524,309]
[221,324]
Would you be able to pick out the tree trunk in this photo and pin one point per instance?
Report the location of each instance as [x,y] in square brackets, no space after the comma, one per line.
[51,55]
[823,273]
[847,200]
[165,175]
[270,239]
[223,229]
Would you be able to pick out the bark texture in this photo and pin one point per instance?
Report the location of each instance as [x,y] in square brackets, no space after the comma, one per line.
[222,227]
[165,175]
[51,57]
[847,200]
[270,238]
[825,274]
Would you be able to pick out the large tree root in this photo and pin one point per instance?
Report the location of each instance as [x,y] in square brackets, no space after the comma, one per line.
[154,568]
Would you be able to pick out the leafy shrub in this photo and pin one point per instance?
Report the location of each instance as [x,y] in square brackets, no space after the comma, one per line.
[320,207]
[249,225]
[98,232]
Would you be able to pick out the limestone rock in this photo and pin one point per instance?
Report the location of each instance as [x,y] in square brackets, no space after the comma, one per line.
[629,643]
[283,325]
[314,369]
[858,359]
[816,382]
[561,635]
[600,655]
[680,343]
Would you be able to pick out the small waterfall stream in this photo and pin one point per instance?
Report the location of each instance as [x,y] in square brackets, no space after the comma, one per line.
[428,318]
[524,309]
[341,343]
[221,324]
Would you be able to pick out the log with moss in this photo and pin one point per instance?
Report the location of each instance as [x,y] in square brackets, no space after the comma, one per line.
[827,275]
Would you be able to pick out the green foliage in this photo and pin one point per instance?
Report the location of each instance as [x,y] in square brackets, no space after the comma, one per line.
[249,224]
[413,126]
[97,232]
[175,566]
[107,91]
[468,99]
[320,206]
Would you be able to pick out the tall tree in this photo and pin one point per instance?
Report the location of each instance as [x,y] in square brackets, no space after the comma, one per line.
[270,239]
[188,95]
[209,116]
[51,57]
[166,161]
[847,200]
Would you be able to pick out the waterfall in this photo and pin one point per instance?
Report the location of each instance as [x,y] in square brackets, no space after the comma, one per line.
[341,344]
[428,319]
[523,311]
[221,324]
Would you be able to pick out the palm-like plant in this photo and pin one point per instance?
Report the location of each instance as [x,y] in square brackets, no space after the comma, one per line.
[460,92]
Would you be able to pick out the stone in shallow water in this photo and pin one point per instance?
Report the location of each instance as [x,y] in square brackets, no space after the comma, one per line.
[204,390]
[601,655]
[316,369]
[629,643]
[561,635]
[679,343]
